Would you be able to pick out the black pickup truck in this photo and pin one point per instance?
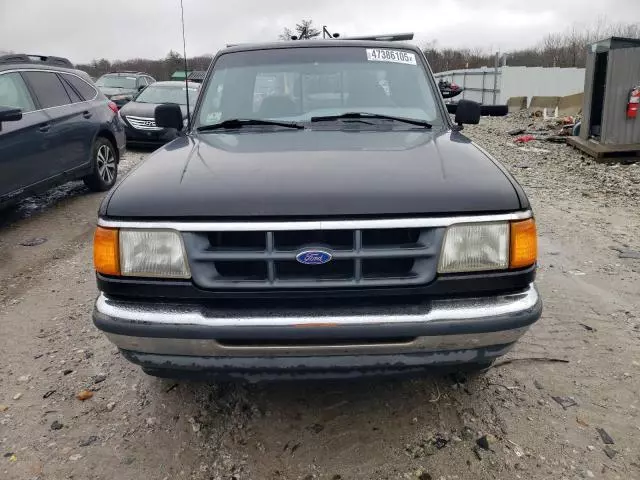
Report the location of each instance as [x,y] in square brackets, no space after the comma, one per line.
[321,216]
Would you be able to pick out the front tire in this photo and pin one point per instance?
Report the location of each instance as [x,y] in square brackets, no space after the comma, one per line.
[105,166]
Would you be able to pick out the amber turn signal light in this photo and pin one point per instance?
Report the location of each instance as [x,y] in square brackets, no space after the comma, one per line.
[524,244]
[106,257]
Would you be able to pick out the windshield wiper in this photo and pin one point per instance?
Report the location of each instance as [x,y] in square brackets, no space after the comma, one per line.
[241,122]
[361,115]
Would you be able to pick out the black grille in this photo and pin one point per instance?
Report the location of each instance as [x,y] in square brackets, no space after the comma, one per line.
[336,239]
[242,270]
[237,241]
[380,257]
[391,237]
[387,267]
[337,269]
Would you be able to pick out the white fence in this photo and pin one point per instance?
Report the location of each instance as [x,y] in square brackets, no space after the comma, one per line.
[494,87]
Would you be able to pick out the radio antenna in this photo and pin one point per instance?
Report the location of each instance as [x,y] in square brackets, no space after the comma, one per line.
[186,72]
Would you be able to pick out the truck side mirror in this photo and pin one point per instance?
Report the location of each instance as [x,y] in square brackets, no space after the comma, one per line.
[467,112]
[9,114]
[169,115]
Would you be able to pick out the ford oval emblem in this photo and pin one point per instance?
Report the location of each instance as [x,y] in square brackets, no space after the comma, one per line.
[314,257]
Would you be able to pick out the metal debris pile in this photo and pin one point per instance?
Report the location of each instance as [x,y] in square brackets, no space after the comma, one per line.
[556,170]
[547,129]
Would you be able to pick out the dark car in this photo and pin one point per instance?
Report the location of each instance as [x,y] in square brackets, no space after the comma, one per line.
[139,114]
[121,87]
[55,126]
[448,89]
[323,226]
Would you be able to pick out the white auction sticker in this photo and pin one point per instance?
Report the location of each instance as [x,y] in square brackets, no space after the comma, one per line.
[395,56]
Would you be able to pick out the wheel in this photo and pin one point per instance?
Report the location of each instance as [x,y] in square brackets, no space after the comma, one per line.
[105,166]
[494,110]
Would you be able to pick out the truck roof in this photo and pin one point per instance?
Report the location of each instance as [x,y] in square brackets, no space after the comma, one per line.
[318,43]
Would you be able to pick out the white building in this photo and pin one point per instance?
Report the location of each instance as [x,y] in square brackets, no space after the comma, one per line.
[485,86]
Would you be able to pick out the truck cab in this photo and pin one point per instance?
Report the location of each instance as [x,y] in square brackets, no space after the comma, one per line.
[321,215]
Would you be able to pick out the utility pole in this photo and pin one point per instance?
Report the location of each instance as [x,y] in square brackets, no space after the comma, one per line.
[495,77]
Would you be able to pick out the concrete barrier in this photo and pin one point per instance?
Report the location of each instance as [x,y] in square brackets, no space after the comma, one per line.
[571,104]
[540,103]
[516,104]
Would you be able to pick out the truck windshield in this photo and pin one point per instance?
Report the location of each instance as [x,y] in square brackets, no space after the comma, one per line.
[168,94]
[116,81]
[296,84]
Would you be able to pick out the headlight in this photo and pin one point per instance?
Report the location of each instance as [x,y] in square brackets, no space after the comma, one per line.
[476,247]
[120,97]
[152,253]
[140,253]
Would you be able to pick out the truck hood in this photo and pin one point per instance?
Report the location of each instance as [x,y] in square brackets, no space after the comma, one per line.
[314,173]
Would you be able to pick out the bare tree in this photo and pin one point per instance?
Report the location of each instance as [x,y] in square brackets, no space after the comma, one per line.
[563,49]
[303,31]
[560,49]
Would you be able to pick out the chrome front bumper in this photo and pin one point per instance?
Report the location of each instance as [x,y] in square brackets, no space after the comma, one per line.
[198,331]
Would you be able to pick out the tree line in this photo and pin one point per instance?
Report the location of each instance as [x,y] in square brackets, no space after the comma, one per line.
[564,49]
[163,68]
[160,69]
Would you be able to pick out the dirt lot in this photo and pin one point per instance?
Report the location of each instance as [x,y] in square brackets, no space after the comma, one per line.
[135,426]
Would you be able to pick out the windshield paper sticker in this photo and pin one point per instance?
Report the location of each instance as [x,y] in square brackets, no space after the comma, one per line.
[394,56]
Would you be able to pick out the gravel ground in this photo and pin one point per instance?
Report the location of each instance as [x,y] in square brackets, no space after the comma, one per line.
[557,168]
[504,425]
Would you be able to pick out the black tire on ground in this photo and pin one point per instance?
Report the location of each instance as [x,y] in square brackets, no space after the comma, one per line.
[105,166]
[485,110]
[494,110]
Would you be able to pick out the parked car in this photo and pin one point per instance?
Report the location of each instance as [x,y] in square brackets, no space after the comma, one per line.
[139,114]
[121,87]
[358,234]
[448,89]
[55,126]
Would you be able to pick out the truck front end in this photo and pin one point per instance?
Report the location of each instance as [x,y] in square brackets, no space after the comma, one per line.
[324,217]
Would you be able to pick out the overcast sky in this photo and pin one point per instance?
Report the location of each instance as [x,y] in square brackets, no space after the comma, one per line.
[118,29]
